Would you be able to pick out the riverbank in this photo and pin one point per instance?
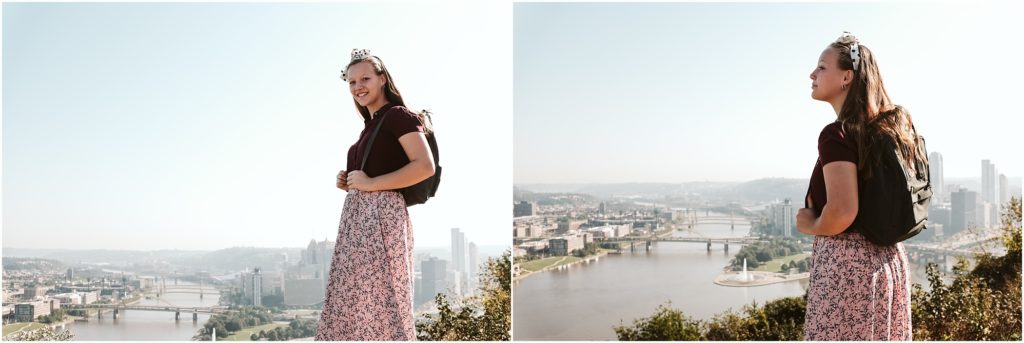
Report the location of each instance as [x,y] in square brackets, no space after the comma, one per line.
[557,262]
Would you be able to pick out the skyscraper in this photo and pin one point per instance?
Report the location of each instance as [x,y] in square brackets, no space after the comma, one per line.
[987,181]
[787,218]
[1004,189]
[990,189]
[459,262]
[937,177]
[433,273]
[963,204]
[474,267]
[257,287]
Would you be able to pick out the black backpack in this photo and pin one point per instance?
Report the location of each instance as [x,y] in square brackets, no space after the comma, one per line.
[420,192]
[894,200]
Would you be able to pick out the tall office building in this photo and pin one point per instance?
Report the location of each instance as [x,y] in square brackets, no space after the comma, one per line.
[474,268]
[252,286]
[990,189]
[987,181]
[459,262]
[1004,189]
[432,279]
[937,177]
[787,219]
[963,204]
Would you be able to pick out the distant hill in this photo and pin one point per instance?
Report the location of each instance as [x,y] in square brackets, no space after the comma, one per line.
[761,190]
[217,261]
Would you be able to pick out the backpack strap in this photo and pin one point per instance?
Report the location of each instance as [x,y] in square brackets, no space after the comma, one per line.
[369,144]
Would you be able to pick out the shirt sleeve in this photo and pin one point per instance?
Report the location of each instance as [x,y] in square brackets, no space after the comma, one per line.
[834,145]
[401,120]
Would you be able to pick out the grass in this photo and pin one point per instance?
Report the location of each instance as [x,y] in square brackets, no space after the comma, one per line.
[246,333]
[774,265]
[16,327]
[555,261]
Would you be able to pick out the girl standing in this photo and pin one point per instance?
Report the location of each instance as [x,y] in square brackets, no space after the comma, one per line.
[369,293]
[858,290]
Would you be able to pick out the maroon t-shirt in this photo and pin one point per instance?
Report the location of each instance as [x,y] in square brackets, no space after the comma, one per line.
[386,154]
[833,145]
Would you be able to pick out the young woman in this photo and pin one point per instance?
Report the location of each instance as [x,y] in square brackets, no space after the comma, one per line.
[369,293]
[858,290]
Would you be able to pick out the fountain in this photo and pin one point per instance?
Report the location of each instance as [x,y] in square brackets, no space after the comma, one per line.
[744,277]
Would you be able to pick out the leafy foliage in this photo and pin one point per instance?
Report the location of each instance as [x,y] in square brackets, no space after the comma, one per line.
[980,304]
[781,319]
[667,324]
[230,322]
[764,251]
[484,317]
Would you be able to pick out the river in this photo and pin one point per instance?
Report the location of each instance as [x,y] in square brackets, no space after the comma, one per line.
[147,325]
[585,301]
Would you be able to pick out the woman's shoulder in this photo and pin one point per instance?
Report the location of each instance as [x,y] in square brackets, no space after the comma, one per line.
[403,120]
[834,130]
[401,111]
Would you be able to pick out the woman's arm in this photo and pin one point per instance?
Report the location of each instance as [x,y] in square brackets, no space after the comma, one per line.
[841,206]
[419,168]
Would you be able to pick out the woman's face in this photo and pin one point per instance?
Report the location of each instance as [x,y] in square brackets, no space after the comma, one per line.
[827,79]
[366,86]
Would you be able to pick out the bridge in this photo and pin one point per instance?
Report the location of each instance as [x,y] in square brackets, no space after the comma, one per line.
[965,248]
[201,289]
[117,308]
[725,241]
[691,219]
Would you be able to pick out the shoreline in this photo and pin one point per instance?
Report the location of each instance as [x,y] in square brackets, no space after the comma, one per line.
[586,259]
[728,278]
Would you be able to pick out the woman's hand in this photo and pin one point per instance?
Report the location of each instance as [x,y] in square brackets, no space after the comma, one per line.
[342,180]
[805,220]
[358,180]
[420,166]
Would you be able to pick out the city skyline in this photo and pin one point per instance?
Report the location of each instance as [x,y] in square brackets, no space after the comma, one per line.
[187,125]
[721,92]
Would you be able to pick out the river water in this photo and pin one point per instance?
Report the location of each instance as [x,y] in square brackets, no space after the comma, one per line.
[147,325]
[585,301]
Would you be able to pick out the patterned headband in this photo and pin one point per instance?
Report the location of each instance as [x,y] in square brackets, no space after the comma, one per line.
[849,39]
[357,54]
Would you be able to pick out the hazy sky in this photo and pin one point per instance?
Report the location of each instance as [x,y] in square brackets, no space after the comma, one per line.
[206,126]
[721,92]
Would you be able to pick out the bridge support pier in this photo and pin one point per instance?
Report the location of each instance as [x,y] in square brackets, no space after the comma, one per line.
[177,315]
[726,247]
[115,313]
[709,246]
[195,316]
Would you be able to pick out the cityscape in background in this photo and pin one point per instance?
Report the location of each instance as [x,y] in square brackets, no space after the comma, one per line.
[717,237]
[91,289]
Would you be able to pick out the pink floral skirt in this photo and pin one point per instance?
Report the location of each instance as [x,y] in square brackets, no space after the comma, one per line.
[858,291]
[369,293]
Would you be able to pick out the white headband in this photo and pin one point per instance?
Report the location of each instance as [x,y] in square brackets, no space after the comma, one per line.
[849,39]
[357,54]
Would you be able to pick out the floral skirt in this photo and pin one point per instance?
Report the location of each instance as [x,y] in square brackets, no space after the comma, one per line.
[858,291]
[369,293]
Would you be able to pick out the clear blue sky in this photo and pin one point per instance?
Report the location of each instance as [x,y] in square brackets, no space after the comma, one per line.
[206,126]
[720,92]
